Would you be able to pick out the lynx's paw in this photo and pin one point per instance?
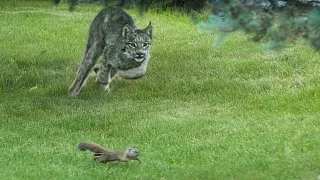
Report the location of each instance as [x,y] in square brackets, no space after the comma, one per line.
[73,92]
[106,88]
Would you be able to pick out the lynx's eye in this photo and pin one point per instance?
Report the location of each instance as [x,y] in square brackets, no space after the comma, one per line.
[133,45]
[145,45]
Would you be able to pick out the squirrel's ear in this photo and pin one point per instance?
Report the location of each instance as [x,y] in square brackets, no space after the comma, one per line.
[126,31]
[148,30]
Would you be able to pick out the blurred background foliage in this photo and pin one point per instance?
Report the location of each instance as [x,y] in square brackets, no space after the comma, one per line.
[277,22]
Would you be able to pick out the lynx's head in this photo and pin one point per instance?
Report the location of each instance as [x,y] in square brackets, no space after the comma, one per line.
[137,42]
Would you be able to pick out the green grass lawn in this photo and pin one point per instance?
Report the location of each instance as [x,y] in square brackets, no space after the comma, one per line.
[236,112]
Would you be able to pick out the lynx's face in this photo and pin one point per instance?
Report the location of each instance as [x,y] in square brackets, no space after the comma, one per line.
[137,42]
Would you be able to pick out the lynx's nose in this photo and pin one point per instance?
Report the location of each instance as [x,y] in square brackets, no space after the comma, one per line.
[139,57]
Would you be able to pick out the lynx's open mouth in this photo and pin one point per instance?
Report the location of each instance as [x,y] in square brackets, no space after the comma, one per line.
[139,57]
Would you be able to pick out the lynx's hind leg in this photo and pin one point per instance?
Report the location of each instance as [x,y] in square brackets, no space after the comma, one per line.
[89,60]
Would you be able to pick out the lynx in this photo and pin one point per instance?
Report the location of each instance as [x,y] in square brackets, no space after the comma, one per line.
[124,48]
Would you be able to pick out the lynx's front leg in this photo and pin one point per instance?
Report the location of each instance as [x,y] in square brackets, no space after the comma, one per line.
[85,68]
[105,74]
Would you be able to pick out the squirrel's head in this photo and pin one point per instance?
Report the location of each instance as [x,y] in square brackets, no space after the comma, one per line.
[133,153]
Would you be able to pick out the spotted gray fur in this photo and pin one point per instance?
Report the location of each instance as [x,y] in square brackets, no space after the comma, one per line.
[124,48]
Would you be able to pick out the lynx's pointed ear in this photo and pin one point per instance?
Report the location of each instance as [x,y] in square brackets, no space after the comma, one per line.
[148,30]
[126,31]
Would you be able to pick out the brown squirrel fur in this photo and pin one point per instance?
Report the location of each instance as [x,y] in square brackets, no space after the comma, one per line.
[105,155]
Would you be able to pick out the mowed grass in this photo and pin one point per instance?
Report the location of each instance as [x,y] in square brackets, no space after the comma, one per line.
[236,112]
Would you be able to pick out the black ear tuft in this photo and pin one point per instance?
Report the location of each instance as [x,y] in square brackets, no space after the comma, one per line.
[148,30]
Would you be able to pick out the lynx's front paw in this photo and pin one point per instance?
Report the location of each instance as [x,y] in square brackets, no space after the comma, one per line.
[106,88]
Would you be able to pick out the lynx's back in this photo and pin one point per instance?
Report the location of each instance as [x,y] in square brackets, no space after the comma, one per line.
[108,25]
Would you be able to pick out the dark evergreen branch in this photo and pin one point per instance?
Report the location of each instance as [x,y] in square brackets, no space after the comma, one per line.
[276,21]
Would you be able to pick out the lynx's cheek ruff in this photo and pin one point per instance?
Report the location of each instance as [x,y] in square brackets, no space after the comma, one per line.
[134,73]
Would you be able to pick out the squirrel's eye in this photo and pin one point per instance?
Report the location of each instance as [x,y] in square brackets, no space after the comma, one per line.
[133,45]
[145,45]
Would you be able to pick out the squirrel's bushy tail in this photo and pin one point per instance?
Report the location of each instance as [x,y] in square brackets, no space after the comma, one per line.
[83,146]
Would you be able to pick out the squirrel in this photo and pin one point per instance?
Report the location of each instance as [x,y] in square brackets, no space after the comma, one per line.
[105,155]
